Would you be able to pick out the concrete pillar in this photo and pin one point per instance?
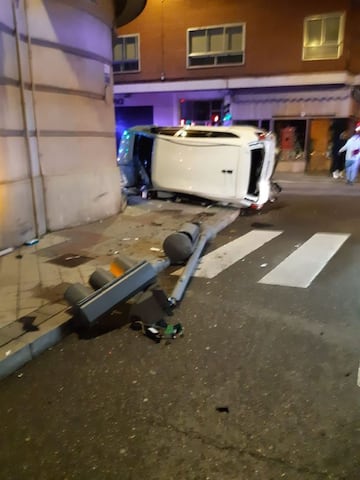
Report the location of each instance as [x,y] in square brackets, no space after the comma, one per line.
[57,143]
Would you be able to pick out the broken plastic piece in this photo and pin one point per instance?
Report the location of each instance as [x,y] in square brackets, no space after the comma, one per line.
[34,241]
[153,333]
[171,331]
[158,331]
[178,329]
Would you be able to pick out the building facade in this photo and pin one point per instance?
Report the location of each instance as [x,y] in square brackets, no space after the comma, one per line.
[57,132]
[290,68]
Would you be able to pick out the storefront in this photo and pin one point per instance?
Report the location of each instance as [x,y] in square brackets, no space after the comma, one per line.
[307,122]
[307,118]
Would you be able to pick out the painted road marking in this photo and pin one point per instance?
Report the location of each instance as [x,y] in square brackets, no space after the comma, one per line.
[358,377]
[301,267]
[215,262]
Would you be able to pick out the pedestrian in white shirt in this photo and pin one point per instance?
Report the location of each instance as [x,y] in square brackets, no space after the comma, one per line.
[352,157]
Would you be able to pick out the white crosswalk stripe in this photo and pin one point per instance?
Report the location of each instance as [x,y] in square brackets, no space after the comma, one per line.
[218,260]
[301,267]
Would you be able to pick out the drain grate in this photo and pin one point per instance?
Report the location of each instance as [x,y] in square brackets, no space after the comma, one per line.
[70,260]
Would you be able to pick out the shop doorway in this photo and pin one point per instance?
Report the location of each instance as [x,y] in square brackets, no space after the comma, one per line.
[291,142]
[319,145]
[308,145]
[324,141]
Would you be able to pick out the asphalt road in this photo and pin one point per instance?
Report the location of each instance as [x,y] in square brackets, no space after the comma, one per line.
[263,385]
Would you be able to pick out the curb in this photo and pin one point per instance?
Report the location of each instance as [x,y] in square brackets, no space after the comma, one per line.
[20,351]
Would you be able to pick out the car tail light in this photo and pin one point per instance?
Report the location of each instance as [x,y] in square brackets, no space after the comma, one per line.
[256,206]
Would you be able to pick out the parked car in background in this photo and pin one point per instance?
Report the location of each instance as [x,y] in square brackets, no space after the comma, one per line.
[232,165]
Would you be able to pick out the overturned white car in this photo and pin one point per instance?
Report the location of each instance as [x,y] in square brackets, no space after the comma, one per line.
[231,165]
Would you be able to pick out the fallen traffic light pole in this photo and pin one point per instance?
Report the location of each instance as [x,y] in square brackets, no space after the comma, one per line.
[182,247]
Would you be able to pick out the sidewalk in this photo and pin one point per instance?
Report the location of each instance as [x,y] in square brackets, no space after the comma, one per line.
[317,183]
[33,313]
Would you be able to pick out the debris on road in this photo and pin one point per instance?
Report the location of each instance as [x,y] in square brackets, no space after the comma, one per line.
[223,409]
[29,243]
[128,278]
[158,331]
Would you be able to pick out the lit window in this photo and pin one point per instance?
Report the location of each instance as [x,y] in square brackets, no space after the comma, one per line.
[216,46]
[323,36]
[126,54]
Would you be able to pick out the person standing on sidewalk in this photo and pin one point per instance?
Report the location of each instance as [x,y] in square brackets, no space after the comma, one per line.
[352,157]
[338,159]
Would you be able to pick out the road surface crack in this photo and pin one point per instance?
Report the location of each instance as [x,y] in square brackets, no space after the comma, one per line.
[251,453]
